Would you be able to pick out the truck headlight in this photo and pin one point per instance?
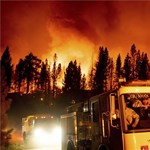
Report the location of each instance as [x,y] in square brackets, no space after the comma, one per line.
[56,134]
[47,137]
[38,132]
[41,137]
[57,131]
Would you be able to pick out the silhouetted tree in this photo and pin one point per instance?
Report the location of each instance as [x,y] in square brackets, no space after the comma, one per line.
[138,63]
[143,72]
[45,77]
[110,75]
[31,70]
[72,82]
[118,66]
[78,75]
[8,67]
[91,79]
[4,92]
[133,52]
[5,82]
[72,77]
[127,68]
[83,82]
[19,73]
[56,70]
[101,70]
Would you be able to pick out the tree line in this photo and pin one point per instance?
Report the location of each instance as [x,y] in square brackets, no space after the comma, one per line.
[32,74]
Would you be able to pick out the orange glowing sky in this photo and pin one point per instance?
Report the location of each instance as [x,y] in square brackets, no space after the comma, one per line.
[74,30]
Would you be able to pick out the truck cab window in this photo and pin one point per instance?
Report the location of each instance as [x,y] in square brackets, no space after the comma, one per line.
[137,111]
[95,111]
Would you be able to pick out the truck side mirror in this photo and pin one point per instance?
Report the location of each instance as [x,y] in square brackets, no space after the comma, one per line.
[30,122]
[114,111]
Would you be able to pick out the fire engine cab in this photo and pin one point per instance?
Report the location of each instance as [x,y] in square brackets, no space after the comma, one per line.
[41,129]
[115,120]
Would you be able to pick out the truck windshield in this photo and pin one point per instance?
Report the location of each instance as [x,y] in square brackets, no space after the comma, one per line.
[136,111]
[45,122]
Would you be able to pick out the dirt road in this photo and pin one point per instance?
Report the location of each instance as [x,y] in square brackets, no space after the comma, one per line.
[18,143]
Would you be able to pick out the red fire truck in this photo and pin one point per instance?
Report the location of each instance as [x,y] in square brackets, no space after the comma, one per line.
[114,120]
[41,129]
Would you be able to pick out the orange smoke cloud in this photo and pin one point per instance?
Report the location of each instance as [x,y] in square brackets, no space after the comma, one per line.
[74,29]
[69,45]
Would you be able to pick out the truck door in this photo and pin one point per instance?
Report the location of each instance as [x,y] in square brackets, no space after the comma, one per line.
[96,129]
[69,130]
[104,118]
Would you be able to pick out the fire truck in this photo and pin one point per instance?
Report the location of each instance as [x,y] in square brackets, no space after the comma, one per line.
[115,120]
[41,129]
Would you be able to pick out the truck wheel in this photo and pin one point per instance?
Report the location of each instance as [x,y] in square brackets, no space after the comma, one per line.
[70,145]
[103,147]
